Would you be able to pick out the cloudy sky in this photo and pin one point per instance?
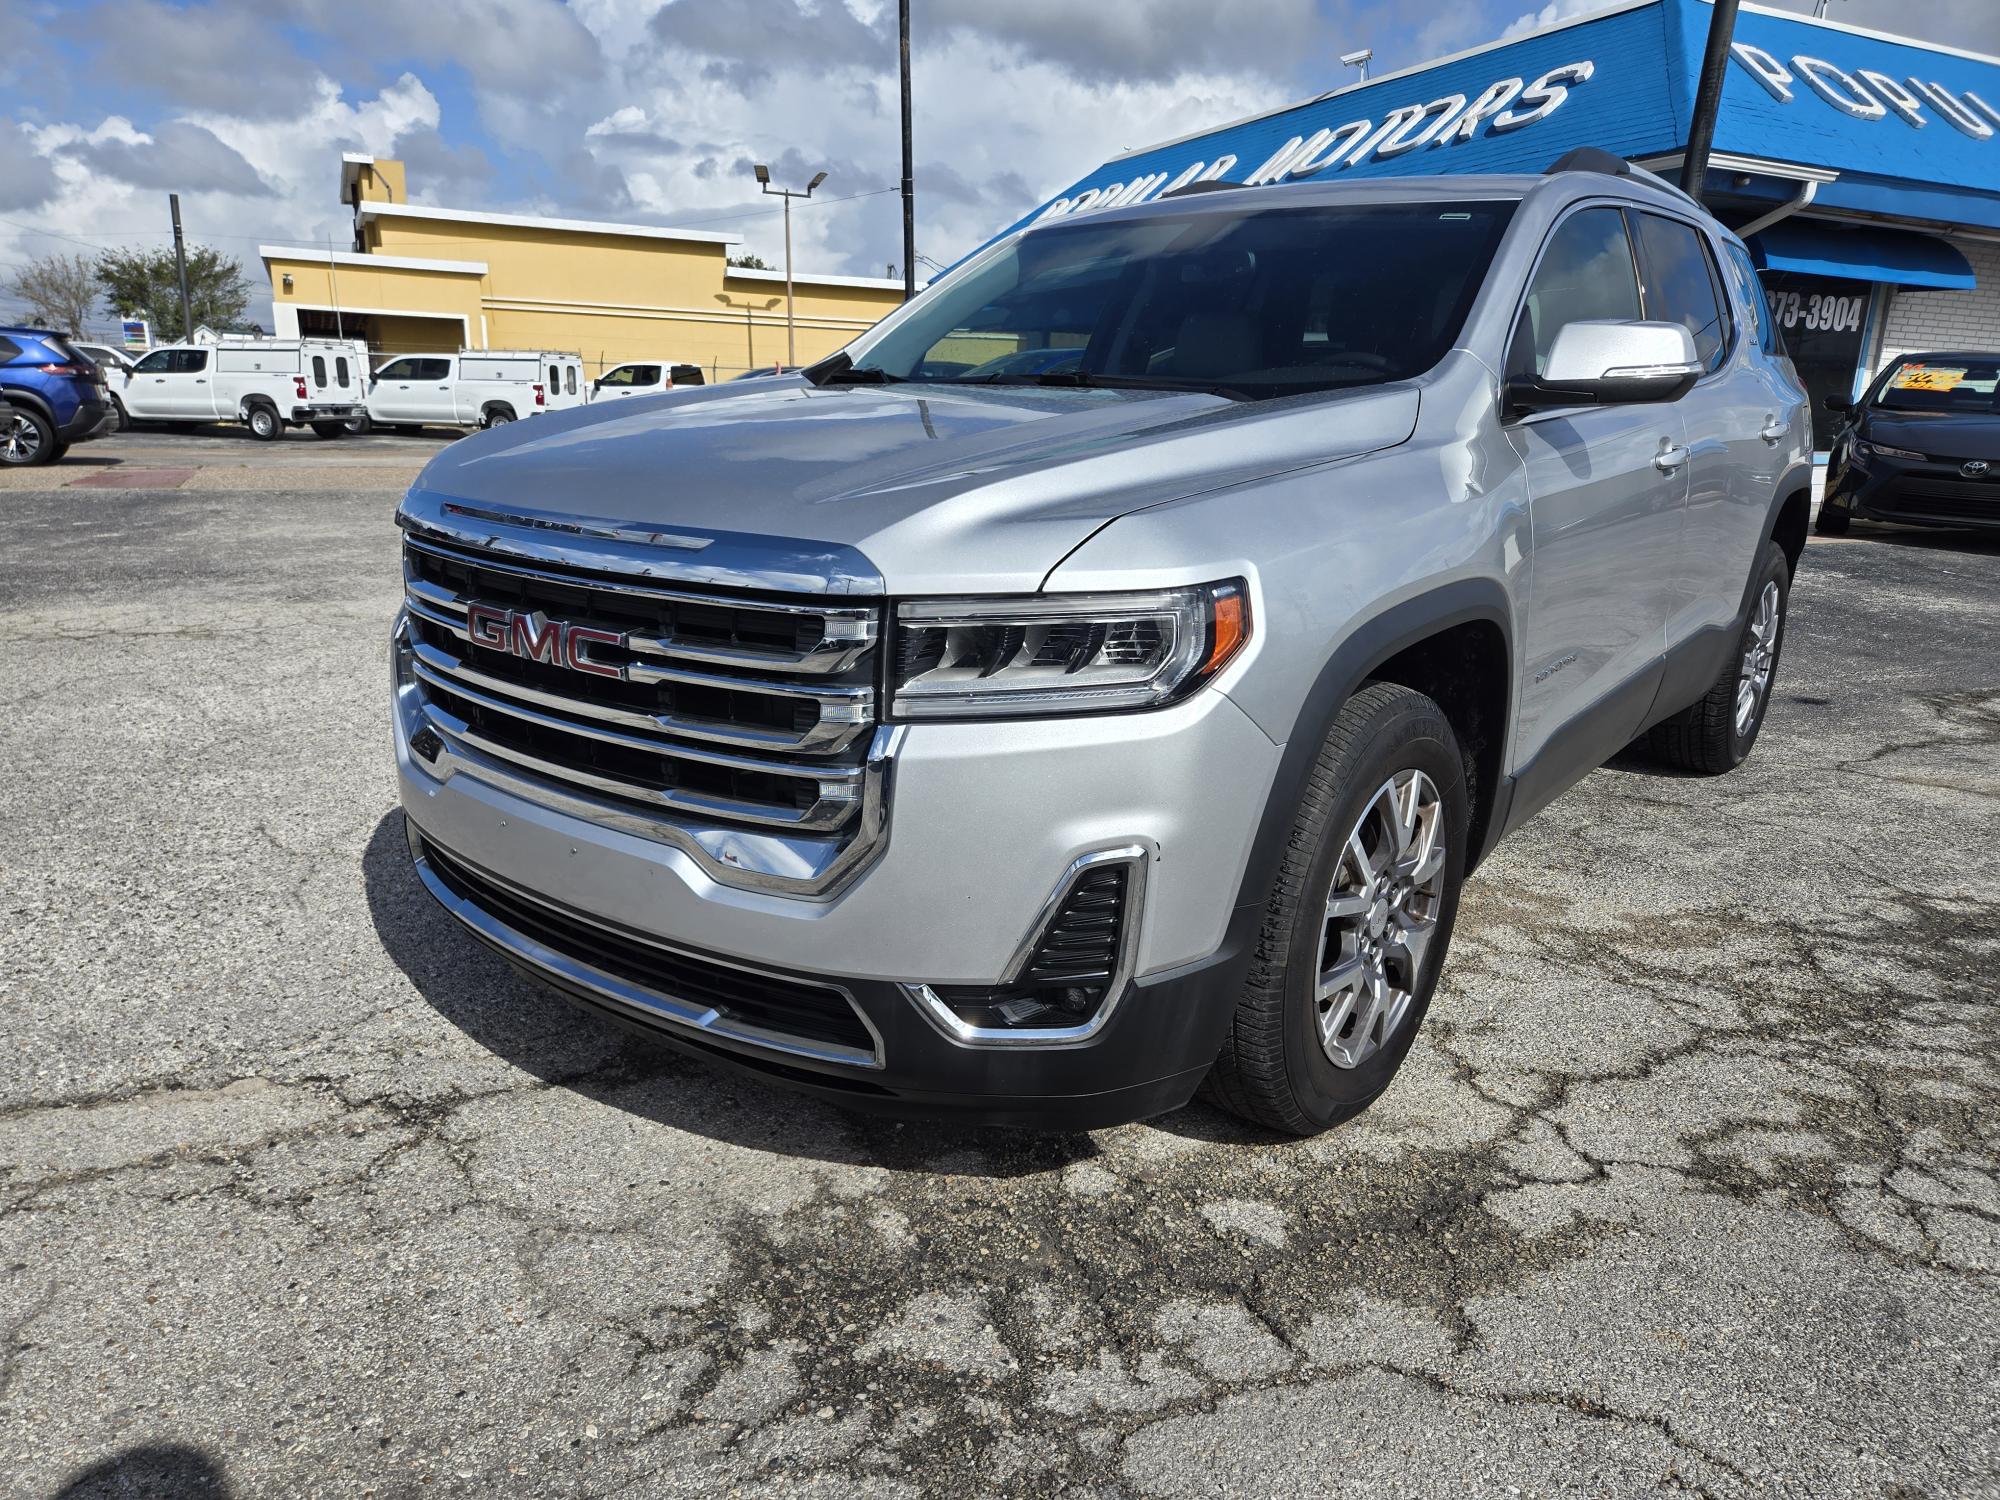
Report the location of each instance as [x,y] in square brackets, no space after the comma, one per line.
[654,110]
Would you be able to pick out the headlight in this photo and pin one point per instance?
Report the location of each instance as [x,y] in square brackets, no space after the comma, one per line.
[1882,450]
[1062,653]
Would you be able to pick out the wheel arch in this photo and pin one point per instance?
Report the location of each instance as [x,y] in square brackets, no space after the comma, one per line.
[1438,641]
[1791,518]
[486,411]
[254,400]
[35,401]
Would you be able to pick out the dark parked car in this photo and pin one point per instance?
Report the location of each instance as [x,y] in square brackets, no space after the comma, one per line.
[1921,446]
[54,396]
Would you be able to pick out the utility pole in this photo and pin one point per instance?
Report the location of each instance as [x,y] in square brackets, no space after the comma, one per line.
[1708,98]
[181,263]
[788,194]
[909,164]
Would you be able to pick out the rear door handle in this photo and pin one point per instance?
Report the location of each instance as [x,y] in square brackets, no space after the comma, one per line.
[1670,457]
[1774,430]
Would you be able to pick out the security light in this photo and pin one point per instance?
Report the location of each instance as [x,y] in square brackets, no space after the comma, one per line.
[763,173]
[816,182]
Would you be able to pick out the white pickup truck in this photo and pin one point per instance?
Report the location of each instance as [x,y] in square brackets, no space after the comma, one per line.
[473,388]
[644,378]
[266,384]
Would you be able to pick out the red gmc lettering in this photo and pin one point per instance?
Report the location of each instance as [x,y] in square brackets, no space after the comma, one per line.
[538,638]
[579,636]
[487,626]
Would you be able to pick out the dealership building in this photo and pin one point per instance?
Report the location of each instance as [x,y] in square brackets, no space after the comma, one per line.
[1862,169]
[422,279]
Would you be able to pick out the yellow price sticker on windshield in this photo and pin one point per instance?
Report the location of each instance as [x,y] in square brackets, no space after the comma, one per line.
[1927,378]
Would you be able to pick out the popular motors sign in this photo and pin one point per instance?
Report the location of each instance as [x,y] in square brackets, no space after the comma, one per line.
[1503,106]
[1869,93]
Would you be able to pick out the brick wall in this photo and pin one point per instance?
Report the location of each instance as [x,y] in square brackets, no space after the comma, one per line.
[1920,320]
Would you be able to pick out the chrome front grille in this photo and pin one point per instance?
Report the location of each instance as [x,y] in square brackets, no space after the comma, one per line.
[695,708]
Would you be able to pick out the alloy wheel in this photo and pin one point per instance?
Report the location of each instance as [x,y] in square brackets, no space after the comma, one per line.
[20,439]
[1760,655]
[1381,918]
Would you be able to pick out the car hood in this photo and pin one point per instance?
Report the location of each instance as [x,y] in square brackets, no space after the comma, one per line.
[1941,434]
[933,489]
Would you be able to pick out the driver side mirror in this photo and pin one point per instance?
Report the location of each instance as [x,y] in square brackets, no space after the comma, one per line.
[1610,363]
[1838,404]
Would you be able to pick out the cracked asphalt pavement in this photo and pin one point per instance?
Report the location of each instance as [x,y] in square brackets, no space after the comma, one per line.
[1689,1184]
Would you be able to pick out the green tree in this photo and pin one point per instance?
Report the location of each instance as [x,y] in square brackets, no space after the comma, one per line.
[144,283]
[749,262]
[60,290]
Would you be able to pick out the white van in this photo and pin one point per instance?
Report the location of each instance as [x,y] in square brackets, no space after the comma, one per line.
[266,384]
[644,378]
[474,387]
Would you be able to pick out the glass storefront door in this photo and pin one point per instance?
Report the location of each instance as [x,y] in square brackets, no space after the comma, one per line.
[1823,321]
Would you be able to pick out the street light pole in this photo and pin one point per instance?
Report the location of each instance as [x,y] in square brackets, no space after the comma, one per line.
[181,265]
[909,166]
[788,194]
[1708,97]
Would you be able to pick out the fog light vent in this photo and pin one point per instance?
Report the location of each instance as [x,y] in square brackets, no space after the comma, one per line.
[1065,979]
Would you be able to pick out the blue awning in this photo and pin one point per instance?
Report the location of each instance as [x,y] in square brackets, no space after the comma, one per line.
[1862,253]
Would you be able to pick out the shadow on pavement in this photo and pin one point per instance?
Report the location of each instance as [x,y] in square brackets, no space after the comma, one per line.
[163,1471]
[536,1030]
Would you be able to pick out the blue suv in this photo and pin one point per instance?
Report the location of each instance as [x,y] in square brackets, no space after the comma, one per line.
[53,396]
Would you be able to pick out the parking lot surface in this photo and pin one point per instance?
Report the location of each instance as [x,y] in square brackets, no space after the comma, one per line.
[1689,1184]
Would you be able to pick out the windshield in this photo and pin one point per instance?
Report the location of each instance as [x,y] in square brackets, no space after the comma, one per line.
[1251,303]
[1961,385]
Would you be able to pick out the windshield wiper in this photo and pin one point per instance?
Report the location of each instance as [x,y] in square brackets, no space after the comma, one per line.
[1088,379]
[840,369]
[860,375]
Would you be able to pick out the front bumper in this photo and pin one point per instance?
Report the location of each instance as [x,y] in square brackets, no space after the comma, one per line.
[1938,493]
[983,821]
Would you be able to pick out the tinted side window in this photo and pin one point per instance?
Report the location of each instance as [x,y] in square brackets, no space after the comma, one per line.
[689,375]
[340,369]
[319,369]
[569,380]
[1586,274]
[1680,286]
[396,369]
[190,361]
[9,350]
[157,363]
[646,375]
[429,369]
[1744,272]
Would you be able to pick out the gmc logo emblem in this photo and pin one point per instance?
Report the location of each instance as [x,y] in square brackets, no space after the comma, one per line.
[533,636]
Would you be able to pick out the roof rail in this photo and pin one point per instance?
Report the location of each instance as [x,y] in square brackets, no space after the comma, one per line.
[1589,159]
[1218,185]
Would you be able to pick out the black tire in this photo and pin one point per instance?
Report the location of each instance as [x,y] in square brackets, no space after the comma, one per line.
[497,416]
[1831,522]
[27,438]
[265,425]
[119,421]
[1708,737]
[359,426]
[1273,1069]
[330,429]
[61,447]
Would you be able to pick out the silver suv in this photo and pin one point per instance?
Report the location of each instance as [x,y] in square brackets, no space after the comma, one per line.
[1099,679]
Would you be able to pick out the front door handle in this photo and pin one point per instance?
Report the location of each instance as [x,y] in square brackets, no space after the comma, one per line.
[201,380]
[1774,430]
[1670,457]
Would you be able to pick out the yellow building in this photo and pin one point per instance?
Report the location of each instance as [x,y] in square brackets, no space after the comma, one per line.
[428,279]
